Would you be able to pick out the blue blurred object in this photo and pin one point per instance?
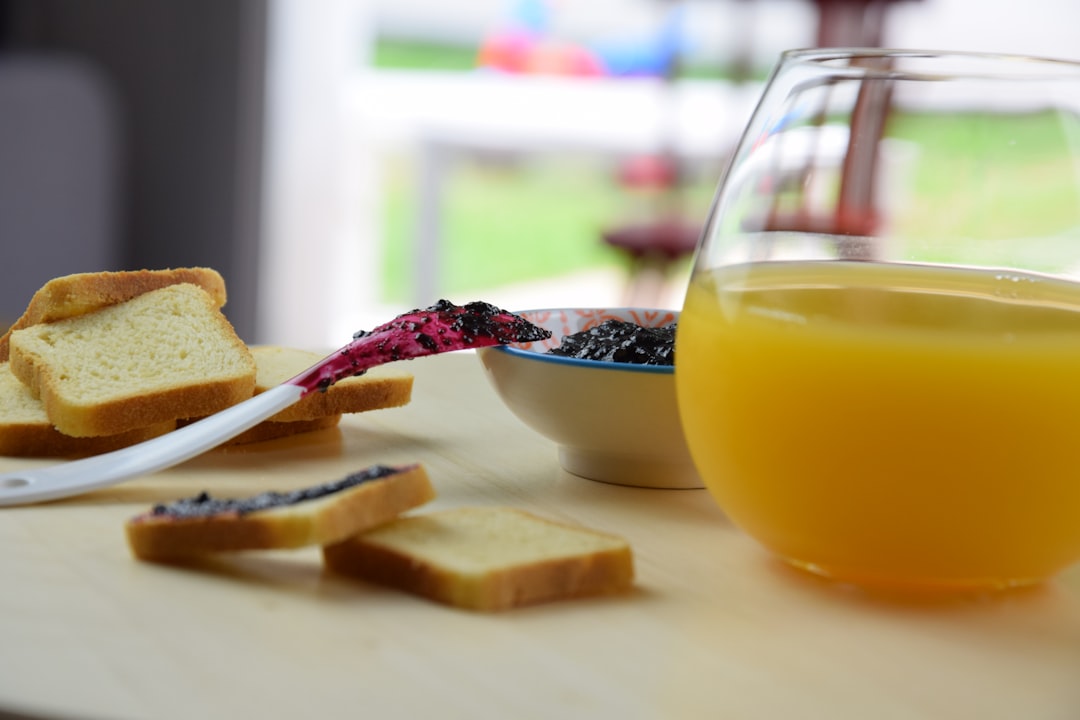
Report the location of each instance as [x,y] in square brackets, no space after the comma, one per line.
[653,54]
[531,16]
[526,44]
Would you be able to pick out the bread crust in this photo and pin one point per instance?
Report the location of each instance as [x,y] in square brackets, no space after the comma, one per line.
[81,293]
[320,521]
[43,440]
[552,570]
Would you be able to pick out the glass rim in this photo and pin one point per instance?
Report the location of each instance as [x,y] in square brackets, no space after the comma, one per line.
[977,64]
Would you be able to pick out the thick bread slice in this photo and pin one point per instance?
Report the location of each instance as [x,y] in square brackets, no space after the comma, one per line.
[486,558]
[78,294]
[380,387]
[25,430]
[163,355]
[310,516]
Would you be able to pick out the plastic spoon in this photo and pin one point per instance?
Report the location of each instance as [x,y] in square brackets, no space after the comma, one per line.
[443,327]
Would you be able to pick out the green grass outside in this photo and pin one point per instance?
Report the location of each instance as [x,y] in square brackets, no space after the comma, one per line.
[1025,179]
[511,222]
[995,152]
[391,53]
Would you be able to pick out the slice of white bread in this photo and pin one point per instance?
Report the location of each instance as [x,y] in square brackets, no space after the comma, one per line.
[25,430]
[81,293]
[164,355]
[315,515]
[486,559]
[380,387]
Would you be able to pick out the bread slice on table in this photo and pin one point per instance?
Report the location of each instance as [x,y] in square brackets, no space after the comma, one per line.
[81,293]
[379,388]
[486,559]
[163,355]
[383,386]
[25,430]
[315,515]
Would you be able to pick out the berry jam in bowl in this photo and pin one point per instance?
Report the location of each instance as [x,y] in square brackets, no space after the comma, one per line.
[602,388]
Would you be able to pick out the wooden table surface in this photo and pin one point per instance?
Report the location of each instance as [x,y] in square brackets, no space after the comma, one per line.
[715,628]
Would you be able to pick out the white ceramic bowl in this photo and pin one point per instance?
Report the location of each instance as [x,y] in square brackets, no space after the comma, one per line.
[613,422]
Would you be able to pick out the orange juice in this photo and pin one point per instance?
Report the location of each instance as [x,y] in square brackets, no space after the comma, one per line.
[895,424]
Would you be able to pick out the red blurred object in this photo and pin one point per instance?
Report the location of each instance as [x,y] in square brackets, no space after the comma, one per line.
[523,53]
[648,171]
[664,239]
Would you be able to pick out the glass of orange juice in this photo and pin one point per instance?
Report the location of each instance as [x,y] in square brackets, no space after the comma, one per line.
[878,359]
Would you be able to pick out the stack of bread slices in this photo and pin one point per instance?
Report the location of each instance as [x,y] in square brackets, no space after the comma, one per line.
[103,360]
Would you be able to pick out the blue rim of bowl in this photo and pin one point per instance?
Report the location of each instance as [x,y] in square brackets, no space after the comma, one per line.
[578,362]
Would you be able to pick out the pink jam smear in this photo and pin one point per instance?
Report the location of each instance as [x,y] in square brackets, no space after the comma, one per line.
[443,327]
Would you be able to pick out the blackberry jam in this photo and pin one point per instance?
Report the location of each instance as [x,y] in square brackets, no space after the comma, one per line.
[622,342]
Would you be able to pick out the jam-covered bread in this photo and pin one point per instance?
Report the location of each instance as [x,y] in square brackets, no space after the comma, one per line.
[315,515]
[164,355]
[81,293]
[486,558]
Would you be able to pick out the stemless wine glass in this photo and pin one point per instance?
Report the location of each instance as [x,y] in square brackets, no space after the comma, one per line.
[878,360]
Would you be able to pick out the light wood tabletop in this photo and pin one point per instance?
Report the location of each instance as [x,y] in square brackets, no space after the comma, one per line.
[714,628]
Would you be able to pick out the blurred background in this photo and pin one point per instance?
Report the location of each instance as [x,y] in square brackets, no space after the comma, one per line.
[342,161]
